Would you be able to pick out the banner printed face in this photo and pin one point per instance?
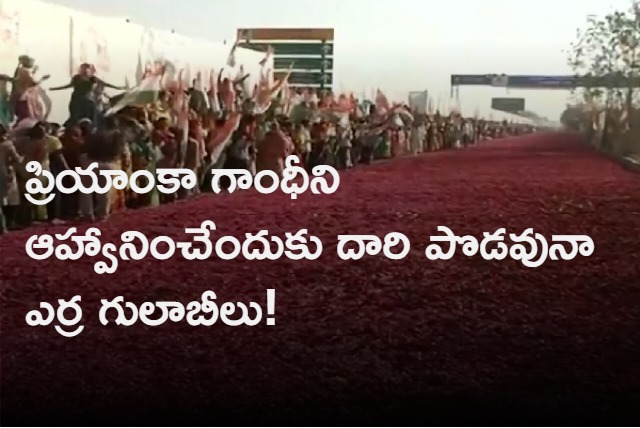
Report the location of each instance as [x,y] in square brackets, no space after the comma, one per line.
[90,45]
[155,47]
[193,56]
[10,17]
[148,48]
[161,47]
[176,50]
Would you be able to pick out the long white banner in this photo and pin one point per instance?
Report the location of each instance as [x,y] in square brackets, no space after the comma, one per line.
[60,39]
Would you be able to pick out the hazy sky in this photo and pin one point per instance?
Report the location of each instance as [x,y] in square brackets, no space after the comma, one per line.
[399,45]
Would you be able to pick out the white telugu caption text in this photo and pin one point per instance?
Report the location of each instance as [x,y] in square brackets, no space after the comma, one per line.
[205,312]
[294,181]
[531,249]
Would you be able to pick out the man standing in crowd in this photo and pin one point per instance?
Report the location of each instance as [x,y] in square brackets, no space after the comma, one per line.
[468,133]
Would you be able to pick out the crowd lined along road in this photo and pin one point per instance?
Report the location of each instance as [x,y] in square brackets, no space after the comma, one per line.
[385,334]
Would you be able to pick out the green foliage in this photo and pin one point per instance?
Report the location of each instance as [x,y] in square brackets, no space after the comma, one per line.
[606,53]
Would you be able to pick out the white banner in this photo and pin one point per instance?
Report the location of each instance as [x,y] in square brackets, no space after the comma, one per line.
[90,42]
[112,45]
[10,34]
[156,45]
[159,47]
[179,49]
[37,20]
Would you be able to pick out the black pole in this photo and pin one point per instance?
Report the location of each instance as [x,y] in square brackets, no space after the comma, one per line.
[323,56]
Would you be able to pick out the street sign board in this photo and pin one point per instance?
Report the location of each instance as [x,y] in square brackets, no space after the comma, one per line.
[292,48]
[509,105]
[571,82]
[283,63]
[306,78]
[500,80]
[542,82]
[313,88]
[285,33]
[471,79]
[308,49]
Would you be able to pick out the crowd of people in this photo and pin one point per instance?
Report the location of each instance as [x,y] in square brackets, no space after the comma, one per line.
[228,125]
[611,127]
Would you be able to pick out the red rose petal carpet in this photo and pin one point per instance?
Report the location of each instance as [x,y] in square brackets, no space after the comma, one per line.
[374,341]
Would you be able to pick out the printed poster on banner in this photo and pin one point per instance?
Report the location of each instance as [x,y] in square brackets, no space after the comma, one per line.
[146,54]
[149,48]
[90,43]
[180,54]
[156,48]
[418,101]
[10,31]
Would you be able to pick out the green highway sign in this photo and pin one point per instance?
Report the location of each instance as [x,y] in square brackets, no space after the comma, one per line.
[283,63]
[299,78]
[285,33]
[293,48]
[312,62]
[509,105]
[305,87]
[319,91]
[311,78]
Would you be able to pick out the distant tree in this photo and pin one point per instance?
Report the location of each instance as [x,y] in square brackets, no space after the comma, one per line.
[606,53]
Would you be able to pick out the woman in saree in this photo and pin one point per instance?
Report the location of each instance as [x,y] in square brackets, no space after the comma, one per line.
[302,140]
[164,138]
[344,145]
[273,150]
[72,149]
[24,96]
[142,157]
[238,156]
[396,138]
[6,112]
[119,196]
[321,150]
[34,148]
[194,154]
[103,147]
[84,103]
[9,196]
[220,136]
[382,146]
[122,163]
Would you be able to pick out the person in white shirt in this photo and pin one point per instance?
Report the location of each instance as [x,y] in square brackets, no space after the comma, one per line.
[418,133]
[8,184]
[468,133]
[343,135]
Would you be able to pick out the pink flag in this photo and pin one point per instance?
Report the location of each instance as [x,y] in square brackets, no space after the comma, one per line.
[231,58]
[382,103]
[268,55]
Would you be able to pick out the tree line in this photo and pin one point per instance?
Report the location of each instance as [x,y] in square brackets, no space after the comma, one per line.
[606,55]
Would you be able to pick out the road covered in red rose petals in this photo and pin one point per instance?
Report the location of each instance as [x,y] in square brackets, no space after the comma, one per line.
[374,341]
